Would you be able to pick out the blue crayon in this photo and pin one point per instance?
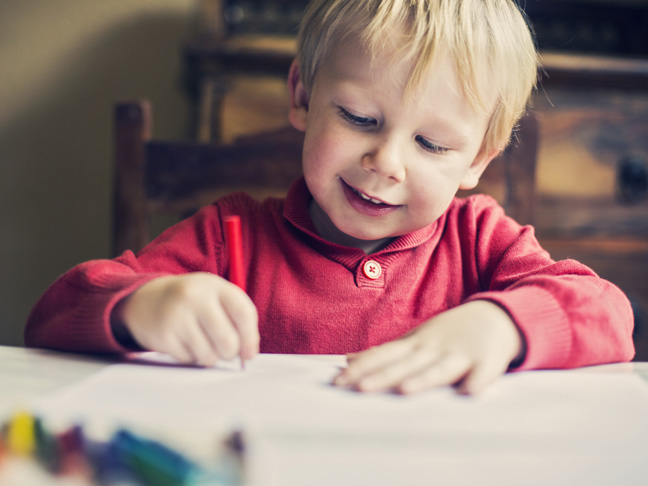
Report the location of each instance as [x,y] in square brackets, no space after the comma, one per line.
[108,466]
[155,463]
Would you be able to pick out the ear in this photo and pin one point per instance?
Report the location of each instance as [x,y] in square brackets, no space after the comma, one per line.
[477,168]
[298,113]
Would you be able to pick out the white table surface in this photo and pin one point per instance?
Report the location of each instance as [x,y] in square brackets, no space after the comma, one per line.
[26,374]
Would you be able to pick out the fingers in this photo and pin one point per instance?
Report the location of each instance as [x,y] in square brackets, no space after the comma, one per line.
[361,364]
[383,367]
[405,369]
[197,318]
[242,314]
[470,345]
[218,331]
[185,341]
[481,377]
[449,370]
[178,350]
[226,326]
[198,344]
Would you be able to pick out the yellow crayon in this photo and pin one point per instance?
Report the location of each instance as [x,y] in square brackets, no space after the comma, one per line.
[20,434]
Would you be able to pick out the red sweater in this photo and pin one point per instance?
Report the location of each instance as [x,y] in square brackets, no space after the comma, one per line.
[314,296]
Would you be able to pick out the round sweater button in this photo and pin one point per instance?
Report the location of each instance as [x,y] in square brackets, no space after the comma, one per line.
[372,269]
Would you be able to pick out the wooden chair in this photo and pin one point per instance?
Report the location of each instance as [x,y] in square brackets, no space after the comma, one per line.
[156,177]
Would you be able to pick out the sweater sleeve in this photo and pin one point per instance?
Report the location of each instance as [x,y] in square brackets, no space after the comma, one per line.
[568,315]
[74,313]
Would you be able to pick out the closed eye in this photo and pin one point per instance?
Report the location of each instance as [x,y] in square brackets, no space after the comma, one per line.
[360,121]
[431,147]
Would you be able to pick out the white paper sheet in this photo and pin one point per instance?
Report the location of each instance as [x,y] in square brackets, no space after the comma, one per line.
[541,427]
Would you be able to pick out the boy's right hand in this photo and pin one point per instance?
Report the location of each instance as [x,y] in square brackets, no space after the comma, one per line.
[196,318]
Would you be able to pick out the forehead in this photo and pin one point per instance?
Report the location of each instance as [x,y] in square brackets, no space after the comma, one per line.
[396,49]
[380,80]
[351,63]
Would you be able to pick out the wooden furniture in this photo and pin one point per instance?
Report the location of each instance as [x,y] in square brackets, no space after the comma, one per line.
[592,178]
[175,178]
[214,65]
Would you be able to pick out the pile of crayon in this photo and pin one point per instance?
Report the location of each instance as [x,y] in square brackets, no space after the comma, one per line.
[125,459]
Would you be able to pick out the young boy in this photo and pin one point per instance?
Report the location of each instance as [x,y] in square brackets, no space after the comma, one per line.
[371,255]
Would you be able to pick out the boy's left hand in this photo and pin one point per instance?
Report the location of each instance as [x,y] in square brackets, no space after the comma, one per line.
[470,345]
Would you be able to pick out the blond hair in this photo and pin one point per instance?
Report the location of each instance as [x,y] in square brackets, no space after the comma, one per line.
[489,41]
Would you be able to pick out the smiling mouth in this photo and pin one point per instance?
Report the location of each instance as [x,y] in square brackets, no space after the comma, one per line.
[367,205]
[364,197]
[369,199]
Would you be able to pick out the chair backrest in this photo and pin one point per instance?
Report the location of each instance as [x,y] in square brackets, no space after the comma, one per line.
[179,177]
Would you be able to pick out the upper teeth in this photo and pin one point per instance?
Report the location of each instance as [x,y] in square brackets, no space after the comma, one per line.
[371,199]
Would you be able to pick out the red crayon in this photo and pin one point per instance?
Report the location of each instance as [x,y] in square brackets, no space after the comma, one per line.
[235,247]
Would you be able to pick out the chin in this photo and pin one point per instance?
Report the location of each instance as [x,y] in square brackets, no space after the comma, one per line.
[368,235]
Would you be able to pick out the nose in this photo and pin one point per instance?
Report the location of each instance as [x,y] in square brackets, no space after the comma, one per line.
[386,160]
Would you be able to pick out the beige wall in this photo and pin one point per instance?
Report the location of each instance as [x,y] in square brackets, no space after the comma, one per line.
[62,65]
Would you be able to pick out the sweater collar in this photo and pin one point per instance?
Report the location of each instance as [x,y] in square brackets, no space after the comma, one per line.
[296,213]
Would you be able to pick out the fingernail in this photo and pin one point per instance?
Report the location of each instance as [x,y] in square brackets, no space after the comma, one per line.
[247,353]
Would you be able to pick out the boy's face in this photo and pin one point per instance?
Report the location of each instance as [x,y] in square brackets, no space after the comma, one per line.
[380,163]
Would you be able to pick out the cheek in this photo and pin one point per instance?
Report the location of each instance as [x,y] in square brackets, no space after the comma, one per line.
[323,152]
[314,164]
[430,194]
